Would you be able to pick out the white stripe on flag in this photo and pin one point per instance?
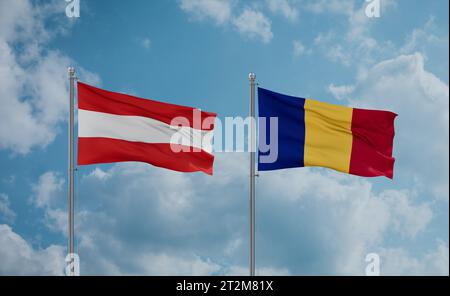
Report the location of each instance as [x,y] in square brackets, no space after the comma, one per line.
[139,129]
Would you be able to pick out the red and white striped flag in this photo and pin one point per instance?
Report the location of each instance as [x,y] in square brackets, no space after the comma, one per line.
[114,127]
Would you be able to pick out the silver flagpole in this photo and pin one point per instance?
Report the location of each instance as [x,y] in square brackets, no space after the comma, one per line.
[71,171]
[251,78]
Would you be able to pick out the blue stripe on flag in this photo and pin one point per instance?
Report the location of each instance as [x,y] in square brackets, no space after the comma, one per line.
[291,128]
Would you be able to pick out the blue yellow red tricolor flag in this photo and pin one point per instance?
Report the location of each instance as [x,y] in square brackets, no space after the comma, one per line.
[313,133]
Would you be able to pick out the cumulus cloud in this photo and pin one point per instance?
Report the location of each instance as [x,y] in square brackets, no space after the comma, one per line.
[254,24]
[298,48]
[404,86]
[6,213]
[432,43]
[147,214]
[355,47]
[264,271]
[217,10]
[408,220]
[131,214]
[17,115]
[330,6]
[33,81]
[332,207]
[340,92]
[395,260]
[283,7]
[166,224]
[421,146]
[49,196]
[250,22]
[46,189]
[163,264]
[421,38]
[18,257]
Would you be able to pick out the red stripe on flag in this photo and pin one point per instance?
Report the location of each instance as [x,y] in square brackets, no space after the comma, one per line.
[373,136]
[106,150]
[100,100]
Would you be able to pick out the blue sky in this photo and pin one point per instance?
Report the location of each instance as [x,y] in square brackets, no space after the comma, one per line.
[136,219]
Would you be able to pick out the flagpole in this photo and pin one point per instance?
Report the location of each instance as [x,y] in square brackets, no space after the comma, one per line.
[71,206]
[252,78]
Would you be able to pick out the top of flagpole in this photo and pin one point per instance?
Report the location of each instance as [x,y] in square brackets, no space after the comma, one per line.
[251,76]
[71,71]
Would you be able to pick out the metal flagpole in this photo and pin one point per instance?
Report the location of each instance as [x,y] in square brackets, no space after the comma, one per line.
[251,78]
[71,171]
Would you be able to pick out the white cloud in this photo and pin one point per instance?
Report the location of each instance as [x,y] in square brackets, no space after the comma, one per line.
[99,174]
[16,15]
[299,48]
[18,257]
[6,213]
[254,24]
[217,10]
[433,44]
[340,92]
[421,99]
[164,264]
[147,214]
[356,46]
[395,260]
[422,37]
[17,115]
[342,209]
[111,241]
[250,22]
[437,261]
[284,7]
[407,219]
[48,195]
[264,271]
[332,49]
[391,208]
[33,81]
[47,189]
[146,43]
[55,219]
[422,102]
[132,214]
[344,7]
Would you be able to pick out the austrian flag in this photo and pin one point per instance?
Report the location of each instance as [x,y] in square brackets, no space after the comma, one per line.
[114,127]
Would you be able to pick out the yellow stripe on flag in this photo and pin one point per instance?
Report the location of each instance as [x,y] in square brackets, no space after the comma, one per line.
[328,135]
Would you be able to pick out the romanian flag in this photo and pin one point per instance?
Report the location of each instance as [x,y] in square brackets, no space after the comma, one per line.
[312,133]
